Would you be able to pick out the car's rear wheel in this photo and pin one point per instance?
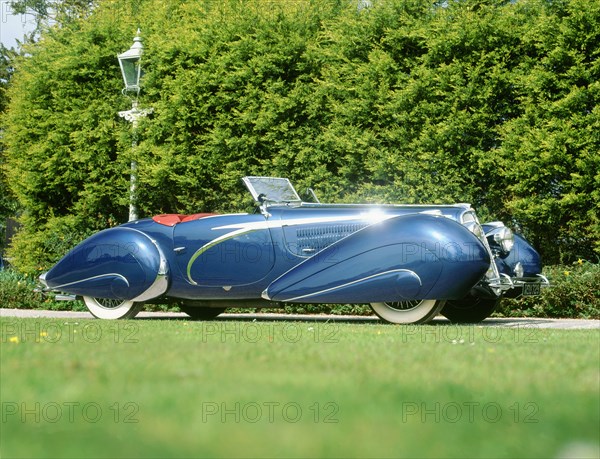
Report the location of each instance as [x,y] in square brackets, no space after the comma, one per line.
[470,310]
[106,308]
[200,313]
[408,312]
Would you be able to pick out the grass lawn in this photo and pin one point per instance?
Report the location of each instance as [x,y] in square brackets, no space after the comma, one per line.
[176,388]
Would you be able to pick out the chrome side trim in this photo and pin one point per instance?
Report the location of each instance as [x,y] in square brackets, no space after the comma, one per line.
[308,295]
[58,287]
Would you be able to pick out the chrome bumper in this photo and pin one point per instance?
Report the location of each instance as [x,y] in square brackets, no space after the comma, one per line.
[528,286]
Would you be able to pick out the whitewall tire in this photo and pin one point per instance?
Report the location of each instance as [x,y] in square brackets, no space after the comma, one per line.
[104,308]
[408,312]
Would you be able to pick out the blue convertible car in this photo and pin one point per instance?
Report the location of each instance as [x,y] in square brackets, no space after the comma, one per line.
[410,262]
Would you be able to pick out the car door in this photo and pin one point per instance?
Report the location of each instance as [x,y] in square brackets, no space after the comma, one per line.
[224,251]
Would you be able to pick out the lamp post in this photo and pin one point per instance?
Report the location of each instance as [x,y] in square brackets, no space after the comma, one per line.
[131,69]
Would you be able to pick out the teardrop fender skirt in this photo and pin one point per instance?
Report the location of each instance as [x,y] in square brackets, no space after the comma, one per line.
[117,263]
[402,258]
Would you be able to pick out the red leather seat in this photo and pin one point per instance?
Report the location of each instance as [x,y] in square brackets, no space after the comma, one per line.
[174,219]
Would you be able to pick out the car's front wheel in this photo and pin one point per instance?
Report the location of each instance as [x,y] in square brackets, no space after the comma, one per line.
[408,312]
[105,308]
[470,310]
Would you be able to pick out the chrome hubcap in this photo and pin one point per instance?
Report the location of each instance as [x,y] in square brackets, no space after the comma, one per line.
[109,303]
[404,305]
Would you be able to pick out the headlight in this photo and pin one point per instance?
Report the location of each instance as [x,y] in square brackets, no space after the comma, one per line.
[505,238]
[502,237]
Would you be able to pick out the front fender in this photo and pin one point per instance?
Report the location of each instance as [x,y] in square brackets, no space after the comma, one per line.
[407,257]
[118,263]
[523,253]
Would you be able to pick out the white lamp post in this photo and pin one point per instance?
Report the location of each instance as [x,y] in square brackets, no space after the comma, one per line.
[131,69]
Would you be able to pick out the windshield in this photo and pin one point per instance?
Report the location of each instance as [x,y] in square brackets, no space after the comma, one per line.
[271,189]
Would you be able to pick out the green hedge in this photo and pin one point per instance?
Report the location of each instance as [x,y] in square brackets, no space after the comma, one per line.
[575,294]
[491,102]
[18,292]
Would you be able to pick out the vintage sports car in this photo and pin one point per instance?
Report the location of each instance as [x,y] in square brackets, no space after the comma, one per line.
[410,262]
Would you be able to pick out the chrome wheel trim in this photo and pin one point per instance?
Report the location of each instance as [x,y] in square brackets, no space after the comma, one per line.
[408,312]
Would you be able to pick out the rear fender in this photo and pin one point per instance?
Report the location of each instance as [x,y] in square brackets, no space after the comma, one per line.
[118,263]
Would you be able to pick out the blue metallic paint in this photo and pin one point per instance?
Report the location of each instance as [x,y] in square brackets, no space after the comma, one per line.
[523,253]
[306,253]
[118,263]
[424,245]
